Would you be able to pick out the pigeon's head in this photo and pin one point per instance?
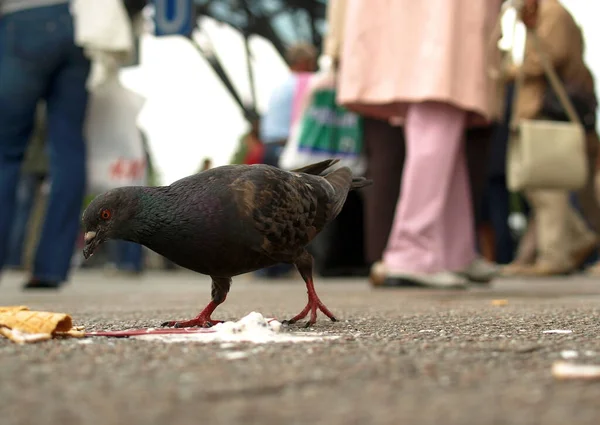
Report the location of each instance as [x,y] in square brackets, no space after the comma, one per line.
[107,217]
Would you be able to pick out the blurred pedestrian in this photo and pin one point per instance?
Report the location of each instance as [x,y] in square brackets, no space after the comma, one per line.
[39,60]
[277,121]
[430,70]
[563,239]
[206,164]
[496,202]
[33,174]
[239,156]
[126,257]
[384,150]
[255,148]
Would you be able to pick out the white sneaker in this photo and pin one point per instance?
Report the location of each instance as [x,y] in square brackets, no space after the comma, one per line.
[480,271]
[380,276]
[441,280]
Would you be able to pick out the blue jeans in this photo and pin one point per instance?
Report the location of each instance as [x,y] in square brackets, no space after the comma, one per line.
[127,256]
[26,196]
[39,60]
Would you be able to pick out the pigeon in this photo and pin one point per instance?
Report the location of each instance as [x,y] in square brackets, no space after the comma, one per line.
[228,221]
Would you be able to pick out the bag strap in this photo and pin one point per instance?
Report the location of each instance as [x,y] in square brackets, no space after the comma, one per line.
[555,82]
[553,78]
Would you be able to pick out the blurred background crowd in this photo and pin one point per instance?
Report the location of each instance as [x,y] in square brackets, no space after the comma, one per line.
[476,120]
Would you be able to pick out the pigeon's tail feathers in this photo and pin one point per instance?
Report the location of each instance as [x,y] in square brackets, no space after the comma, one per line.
[341,179]
[317,168]
[341,182]
[359,182]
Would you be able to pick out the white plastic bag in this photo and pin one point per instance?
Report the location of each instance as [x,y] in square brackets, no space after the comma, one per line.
[103,29]
[116,155]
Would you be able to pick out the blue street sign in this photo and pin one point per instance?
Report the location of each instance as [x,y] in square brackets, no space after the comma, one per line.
[173,17]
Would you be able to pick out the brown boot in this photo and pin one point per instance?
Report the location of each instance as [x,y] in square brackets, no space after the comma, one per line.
[583,253]
[514,269]
[546,270]
[593,270]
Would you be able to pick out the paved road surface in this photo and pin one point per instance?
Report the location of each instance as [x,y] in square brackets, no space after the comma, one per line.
[406,357]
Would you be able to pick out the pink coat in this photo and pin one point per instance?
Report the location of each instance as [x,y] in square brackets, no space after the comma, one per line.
[397,52]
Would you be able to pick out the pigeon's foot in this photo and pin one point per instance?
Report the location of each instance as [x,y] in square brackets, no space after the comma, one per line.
[314,304]
[196,322]
[202,320]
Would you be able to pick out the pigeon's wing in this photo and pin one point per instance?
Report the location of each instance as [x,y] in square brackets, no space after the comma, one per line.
[287,209]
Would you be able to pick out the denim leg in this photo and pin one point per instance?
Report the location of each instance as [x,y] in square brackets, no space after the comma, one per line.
[39,60]
[22,85]
[129,256]
[66,106]
[26,195]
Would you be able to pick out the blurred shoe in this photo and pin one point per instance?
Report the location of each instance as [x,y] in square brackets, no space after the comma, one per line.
[514,269]
[109,269]
[381,277]
[593,270]
[581,254]
[112,270]
[480,271]
[378,274]
[35,284]
[545,270]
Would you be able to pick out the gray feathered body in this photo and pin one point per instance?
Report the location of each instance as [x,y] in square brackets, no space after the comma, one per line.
[234,219]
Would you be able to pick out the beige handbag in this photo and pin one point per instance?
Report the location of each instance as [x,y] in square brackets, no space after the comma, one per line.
[545,154]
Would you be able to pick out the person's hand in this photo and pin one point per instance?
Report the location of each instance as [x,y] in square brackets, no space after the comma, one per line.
[508,72]
[529,13]
[511,72]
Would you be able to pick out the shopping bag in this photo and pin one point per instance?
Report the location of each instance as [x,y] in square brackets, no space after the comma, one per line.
[116,154]
[104,30]
[325,130]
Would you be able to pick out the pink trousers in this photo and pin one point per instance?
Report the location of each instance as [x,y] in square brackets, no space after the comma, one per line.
[433,223]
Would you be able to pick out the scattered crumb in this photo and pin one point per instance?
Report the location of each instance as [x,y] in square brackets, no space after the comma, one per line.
[569,354]
[235,355]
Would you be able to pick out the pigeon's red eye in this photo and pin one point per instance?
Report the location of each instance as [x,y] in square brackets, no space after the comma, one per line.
[105,214]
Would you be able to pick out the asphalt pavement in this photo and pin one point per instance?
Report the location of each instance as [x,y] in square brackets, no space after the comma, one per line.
[404,356]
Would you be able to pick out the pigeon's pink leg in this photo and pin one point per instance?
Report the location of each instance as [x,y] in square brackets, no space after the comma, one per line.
[202,320]
[219,291]
[313,304]
[304,264]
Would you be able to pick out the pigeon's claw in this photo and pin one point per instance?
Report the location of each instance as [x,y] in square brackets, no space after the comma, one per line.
[197,322]
[314,304]
[202,320]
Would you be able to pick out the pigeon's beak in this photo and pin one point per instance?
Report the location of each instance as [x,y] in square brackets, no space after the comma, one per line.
[91,243]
